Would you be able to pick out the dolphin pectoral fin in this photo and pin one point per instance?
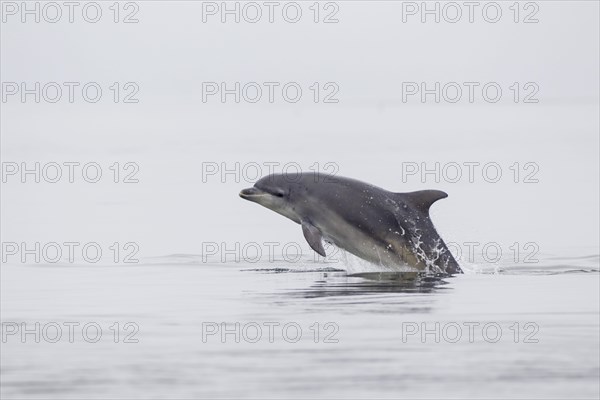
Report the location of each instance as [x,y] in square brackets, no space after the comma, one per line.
[313,237]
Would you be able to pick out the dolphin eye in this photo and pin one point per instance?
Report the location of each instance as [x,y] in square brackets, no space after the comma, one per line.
[278,192]
[274,191]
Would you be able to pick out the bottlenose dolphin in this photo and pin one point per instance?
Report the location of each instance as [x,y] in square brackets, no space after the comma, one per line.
[386,228]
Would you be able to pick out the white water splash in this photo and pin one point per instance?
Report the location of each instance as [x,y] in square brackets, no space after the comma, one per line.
[353,264]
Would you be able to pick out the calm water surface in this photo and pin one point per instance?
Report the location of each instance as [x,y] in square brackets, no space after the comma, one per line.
[217,330]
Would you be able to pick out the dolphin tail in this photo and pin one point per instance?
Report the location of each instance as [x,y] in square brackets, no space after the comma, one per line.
[431,248]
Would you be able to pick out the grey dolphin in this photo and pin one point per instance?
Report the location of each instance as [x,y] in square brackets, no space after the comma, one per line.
[386,228]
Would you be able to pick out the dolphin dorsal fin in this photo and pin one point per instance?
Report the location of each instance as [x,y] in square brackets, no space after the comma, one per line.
[423,199]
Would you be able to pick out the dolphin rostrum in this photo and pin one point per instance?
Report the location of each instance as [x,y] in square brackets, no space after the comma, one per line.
[385,228]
